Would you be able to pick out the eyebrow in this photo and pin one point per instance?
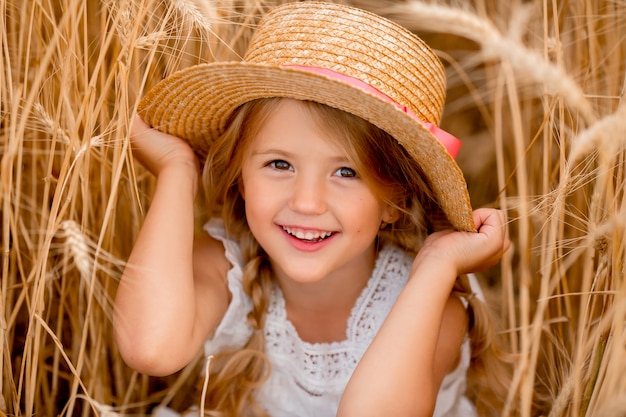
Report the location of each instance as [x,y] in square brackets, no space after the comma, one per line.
[271,151]
[288,155]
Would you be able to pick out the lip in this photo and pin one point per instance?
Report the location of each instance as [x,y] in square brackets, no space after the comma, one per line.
[302,245]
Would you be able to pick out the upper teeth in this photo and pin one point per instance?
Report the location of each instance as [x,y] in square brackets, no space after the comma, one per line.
[307,235]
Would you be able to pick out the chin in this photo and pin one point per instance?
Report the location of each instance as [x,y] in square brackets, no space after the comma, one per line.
[303,275]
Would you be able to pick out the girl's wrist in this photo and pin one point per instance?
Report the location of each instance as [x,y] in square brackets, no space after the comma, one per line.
[432,266]
[180,174]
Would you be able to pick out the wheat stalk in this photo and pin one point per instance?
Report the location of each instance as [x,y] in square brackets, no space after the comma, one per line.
[536,90]
[495,45]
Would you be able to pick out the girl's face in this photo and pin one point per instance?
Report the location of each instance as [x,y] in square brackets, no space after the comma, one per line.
[307,207]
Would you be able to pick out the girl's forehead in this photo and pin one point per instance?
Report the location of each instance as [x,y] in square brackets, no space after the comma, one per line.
[294,123]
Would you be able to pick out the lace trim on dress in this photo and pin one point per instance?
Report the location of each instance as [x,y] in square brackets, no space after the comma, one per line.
[309,378]
[322,367]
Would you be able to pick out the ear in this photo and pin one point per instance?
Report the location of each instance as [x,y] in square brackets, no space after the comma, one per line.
[390,214]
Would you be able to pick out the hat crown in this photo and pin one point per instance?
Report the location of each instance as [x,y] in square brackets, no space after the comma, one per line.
[343,57]
[355,43]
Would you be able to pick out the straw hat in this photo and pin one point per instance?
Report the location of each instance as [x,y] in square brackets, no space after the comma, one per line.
[333,54]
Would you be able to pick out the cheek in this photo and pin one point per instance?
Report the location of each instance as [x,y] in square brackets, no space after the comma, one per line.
[246,183]
[257,204]
[365,214]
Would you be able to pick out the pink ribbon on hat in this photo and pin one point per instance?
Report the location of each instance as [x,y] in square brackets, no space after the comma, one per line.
[450,142]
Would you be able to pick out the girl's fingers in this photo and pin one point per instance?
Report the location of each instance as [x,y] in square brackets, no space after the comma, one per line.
[490,218]
[471,252]
[155,149]
[492,224]
[138,126]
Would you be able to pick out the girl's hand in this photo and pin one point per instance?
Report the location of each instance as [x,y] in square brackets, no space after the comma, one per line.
[465,251]
[157,150]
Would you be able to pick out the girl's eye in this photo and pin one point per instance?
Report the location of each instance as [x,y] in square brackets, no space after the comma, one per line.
[280,165]
[346,172]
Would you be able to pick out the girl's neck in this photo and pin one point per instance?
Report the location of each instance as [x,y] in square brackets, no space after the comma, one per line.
[320,310]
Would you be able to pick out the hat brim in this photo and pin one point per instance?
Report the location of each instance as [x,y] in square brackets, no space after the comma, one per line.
[196,103]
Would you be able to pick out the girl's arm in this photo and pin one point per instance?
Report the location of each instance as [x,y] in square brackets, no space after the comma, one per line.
[402,370]
[159,321]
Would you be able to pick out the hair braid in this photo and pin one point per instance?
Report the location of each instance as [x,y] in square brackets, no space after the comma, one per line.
[236,374]
[488,376]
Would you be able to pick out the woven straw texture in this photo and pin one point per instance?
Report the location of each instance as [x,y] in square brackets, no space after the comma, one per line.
[196,103]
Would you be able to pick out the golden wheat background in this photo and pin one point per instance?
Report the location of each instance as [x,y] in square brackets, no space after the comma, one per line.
[536,92]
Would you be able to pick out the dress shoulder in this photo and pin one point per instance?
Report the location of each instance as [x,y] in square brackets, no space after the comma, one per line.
[233,331]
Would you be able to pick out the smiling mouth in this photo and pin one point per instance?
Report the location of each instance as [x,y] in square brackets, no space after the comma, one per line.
[307,236]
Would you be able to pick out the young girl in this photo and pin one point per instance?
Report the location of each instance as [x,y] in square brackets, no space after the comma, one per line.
[330,278]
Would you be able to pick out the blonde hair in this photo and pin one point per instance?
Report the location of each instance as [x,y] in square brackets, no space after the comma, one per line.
[383,164]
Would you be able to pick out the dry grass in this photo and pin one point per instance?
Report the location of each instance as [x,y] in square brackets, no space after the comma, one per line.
[536,90]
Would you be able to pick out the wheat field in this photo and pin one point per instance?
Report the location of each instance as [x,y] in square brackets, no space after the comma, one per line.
[536,92]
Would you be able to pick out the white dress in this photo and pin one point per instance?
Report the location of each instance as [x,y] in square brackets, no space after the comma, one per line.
[308,379]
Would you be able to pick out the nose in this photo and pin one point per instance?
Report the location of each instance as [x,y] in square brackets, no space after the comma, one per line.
[308,195]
